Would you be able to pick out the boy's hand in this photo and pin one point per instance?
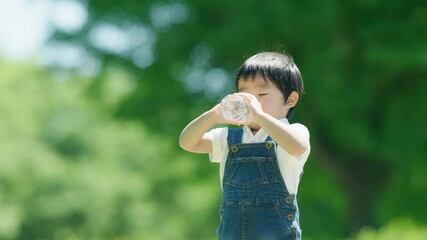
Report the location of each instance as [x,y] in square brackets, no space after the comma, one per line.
[253,103]
[254,106]
[218,117]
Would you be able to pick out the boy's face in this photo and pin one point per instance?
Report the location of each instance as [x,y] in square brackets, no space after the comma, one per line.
[271,98]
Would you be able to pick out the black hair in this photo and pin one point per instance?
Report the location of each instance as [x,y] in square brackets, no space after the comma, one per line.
[276,67]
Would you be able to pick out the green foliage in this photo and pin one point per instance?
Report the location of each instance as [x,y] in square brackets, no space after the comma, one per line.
[400,228]
[98,158]
[68,170]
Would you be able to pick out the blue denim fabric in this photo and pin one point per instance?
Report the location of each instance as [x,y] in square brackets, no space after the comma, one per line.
[256,203]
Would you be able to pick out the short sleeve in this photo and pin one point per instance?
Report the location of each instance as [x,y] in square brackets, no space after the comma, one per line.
[219,144]
[291,166]
[302,131]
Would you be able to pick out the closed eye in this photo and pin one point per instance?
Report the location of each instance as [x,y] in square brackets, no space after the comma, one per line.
[262,94]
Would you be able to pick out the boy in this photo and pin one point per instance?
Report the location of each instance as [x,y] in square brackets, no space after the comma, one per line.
[261,163]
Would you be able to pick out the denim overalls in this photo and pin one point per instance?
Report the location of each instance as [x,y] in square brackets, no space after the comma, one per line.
[256,203]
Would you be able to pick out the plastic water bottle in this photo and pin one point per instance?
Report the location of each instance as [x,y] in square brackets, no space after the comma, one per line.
[235,108]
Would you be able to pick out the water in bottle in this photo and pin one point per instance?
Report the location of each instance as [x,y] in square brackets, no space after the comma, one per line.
[234,108]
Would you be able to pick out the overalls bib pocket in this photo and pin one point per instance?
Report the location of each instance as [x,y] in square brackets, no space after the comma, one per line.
[256,171]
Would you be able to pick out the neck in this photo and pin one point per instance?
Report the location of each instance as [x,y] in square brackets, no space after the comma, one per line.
[254,130]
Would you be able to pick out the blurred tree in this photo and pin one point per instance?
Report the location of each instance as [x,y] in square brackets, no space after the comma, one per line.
[68,170]
[364,68]
[401,228]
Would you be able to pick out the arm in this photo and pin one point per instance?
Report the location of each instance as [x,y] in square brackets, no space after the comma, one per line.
[291,139]
[194,138]
[288,138]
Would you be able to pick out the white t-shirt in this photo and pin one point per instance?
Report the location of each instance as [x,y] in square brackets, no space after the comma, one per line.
[290,166]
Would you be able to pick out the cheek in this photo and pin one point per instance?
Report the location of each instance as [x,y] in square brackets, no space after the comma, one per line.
[272,105]
[268,105]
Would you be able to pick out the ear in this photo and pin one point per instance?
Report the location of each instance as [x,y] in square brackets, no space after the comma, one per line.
[292,100]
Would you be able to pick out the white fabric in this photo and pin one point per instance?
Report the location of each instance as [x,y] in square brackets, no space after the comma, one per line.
[290,166]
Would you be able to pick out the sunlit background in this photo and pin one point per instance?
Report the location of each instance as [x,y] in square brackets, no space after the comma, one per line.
[94,94]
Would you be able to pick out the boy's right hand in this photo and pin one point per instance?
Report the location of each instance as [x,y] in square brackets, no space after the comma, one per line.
[219,118]
[194,137]
[217,114]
